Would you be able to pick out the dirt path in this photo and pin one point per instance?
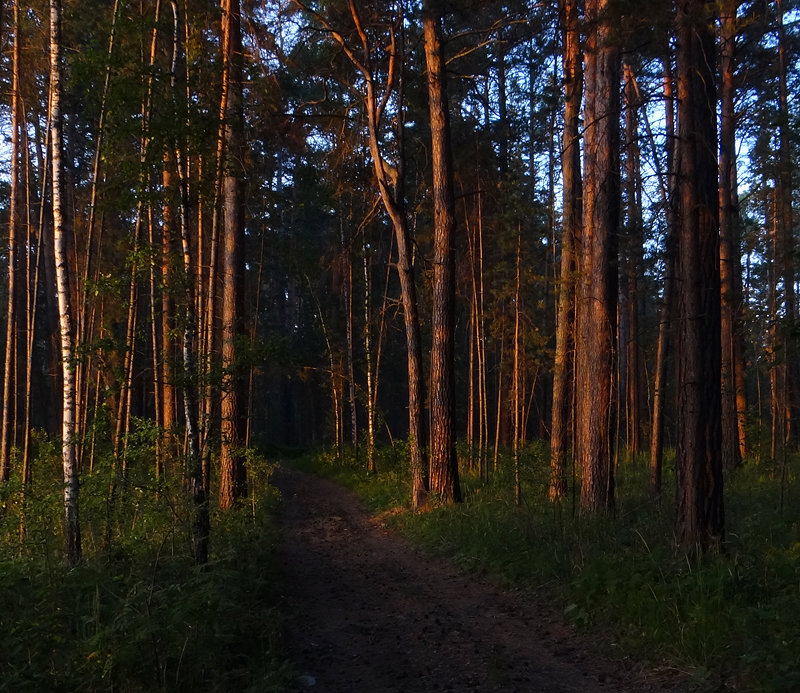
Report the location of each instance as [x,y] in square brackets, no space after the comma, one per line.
[367,612]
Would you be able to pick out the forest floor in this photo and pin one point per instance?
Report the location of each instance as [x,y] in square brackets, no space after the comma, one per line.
[367,611]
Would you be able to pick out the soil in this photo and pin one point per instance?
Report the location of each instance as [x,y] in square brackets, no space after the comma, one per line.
[365,611]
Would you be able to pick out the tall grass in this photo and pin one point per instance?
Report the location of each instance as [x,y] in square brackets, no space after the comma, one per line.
[727,619]
[136,614]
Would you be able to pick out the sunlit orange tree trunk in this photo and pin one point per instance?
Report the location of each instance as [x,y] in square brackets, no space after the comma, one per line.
[444,481]
[232,481]
[7,423]
[596,334]
[572,210]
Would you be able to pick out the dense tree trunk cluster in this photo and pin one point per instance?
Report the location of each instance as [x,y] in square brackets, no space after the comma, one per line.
[354,224]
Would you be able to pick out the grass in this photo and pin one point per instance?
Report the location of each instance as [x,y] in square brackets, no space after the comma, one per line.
[136,614]
[728,619]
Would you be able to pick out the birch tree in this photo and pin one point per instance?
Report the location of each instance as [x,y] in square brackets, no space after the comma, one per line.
[61,233]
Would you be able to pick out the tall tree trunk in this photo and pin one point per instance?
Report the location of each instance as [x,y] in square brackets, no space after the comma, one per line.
[189,389]
[666,311]
[698,464]
[733,431]
[777,378]
[786,244]
[61,234]
[368,356]
[443,463]
[572,194]
[517,377]
[233,482]
[165,348]
[595,344]
[633,265]
[7,425]
[347,259]
[33,271]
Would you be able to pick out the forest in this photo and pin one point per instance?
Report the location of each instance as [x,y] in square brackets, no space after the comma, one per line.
[523,273]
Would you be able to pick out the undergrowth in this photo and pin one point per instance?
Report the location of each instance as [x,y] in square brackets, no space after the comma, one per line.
[729,620]
[136,614]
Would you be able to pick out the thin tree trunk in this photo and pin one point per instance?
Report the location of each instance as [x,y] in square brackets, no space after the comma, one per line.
[12,333]
[156,339]
[123,416]
[368,358]
[665,317]
[482,361]
[517,377]
[165,348]
[732,441]
[347,260]
[572,213]
[210,316]
[633,265]
[786,248]
[201,524]
[32,286]
[499,408]
[86,314]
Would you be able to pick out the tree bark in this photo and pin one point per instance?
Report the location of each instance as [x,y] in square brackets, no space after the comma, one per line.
[572,194]
[666,311]
[233,481]
[633,264]
[698,464]
[786,243]
[61,234]
[733,429]
[595,345]
[10,374]
[444,479]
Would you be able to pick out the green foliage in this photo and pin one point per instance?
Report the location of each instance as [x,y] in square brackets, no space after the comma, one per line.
[136,613]
[729,619]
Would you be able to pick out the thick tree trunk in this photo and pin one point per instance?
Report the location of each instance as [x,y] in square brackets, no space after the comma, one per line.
[443,463]
[233,482]
[595,344]
[698,464]
[61,239]
[572,211]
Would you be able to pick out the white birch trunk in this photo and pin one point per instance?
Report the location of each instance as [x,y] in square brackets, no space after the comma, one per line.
[60,236]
